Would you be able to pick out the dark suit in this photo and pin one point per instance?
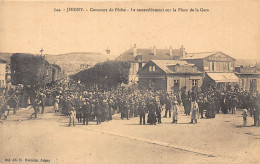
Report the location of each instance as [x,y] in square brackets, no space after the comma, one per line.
[84,111]
[98,113]
[42,99]
[142,112]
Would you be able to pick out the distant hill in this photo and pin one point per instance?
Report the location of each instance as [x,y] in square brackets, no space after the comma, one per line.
[77,57]
[74,62]
[71,63]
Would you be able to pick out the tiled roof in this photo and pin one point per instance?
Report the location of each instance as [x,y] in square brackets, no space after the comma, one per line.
[201,55]
[198,55]
[164,64]
[146,55]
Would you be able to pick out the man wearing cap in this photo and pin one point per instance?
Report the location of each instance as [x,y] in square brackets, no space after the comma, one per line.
[158,111]
[151,115]
[71,110]
[106,109]
[142,111]
[84,112]
[187,105]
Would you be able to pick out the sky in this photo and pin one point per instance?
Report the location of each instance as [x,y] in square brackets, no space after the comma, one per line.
[232,27]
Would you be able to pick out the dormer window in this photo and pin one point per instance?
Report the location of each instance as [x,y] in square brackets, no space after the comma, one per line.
[152,69]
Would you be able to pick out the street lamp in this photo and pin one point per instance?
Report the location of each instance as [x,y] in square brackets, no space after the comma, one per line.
[108,53]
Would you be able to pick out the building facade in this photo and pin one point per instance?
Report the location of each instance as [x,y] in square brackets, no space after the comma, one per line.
[217,67]
[169,75]
[211,61]
[138,57]
[166,69]
[249,78]
[2,73]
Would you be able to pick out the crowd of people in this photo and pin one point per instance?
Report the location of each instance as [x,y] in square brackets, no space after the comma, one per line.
[100,106]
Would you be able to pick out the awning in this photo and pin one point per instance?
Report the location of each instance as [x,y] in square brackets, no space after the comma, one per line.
[223,77]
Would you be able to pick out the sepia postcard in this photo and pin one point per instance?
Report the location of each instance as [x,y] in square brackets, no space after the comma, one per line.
[130,82]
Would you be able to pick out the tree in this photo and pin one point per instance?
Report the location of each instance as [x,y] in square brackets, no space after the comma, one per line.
[106,75]
[28,69]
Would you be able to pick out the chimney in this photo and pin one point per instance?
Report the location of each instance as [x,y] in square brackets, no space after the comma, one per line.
[183,53]
[170,50]
[154,50]
[135,50]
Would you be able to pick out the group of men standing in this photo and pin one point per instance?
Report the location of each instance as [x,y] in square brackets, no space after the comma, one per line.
[101,105]
[86,106]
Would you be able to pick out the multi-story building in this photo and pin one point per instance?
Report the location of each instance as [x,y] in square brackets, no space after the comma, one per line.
[217,67]
[193,69]
[138,57]
[165,69]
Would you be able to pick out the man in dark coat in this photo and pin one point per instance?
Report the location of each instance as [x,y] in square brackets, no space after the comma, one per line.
[256,111]
[222,102]
[151,115]
[201,105]
[78,110]
[158,111]
[110,109]
[168,107]
[187,105]
[124,110]
[98,111]
[84,112]
[142,112]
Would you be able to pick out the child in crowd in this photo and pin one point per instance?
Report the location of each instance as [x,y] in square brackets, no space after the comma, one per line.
[244,117]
